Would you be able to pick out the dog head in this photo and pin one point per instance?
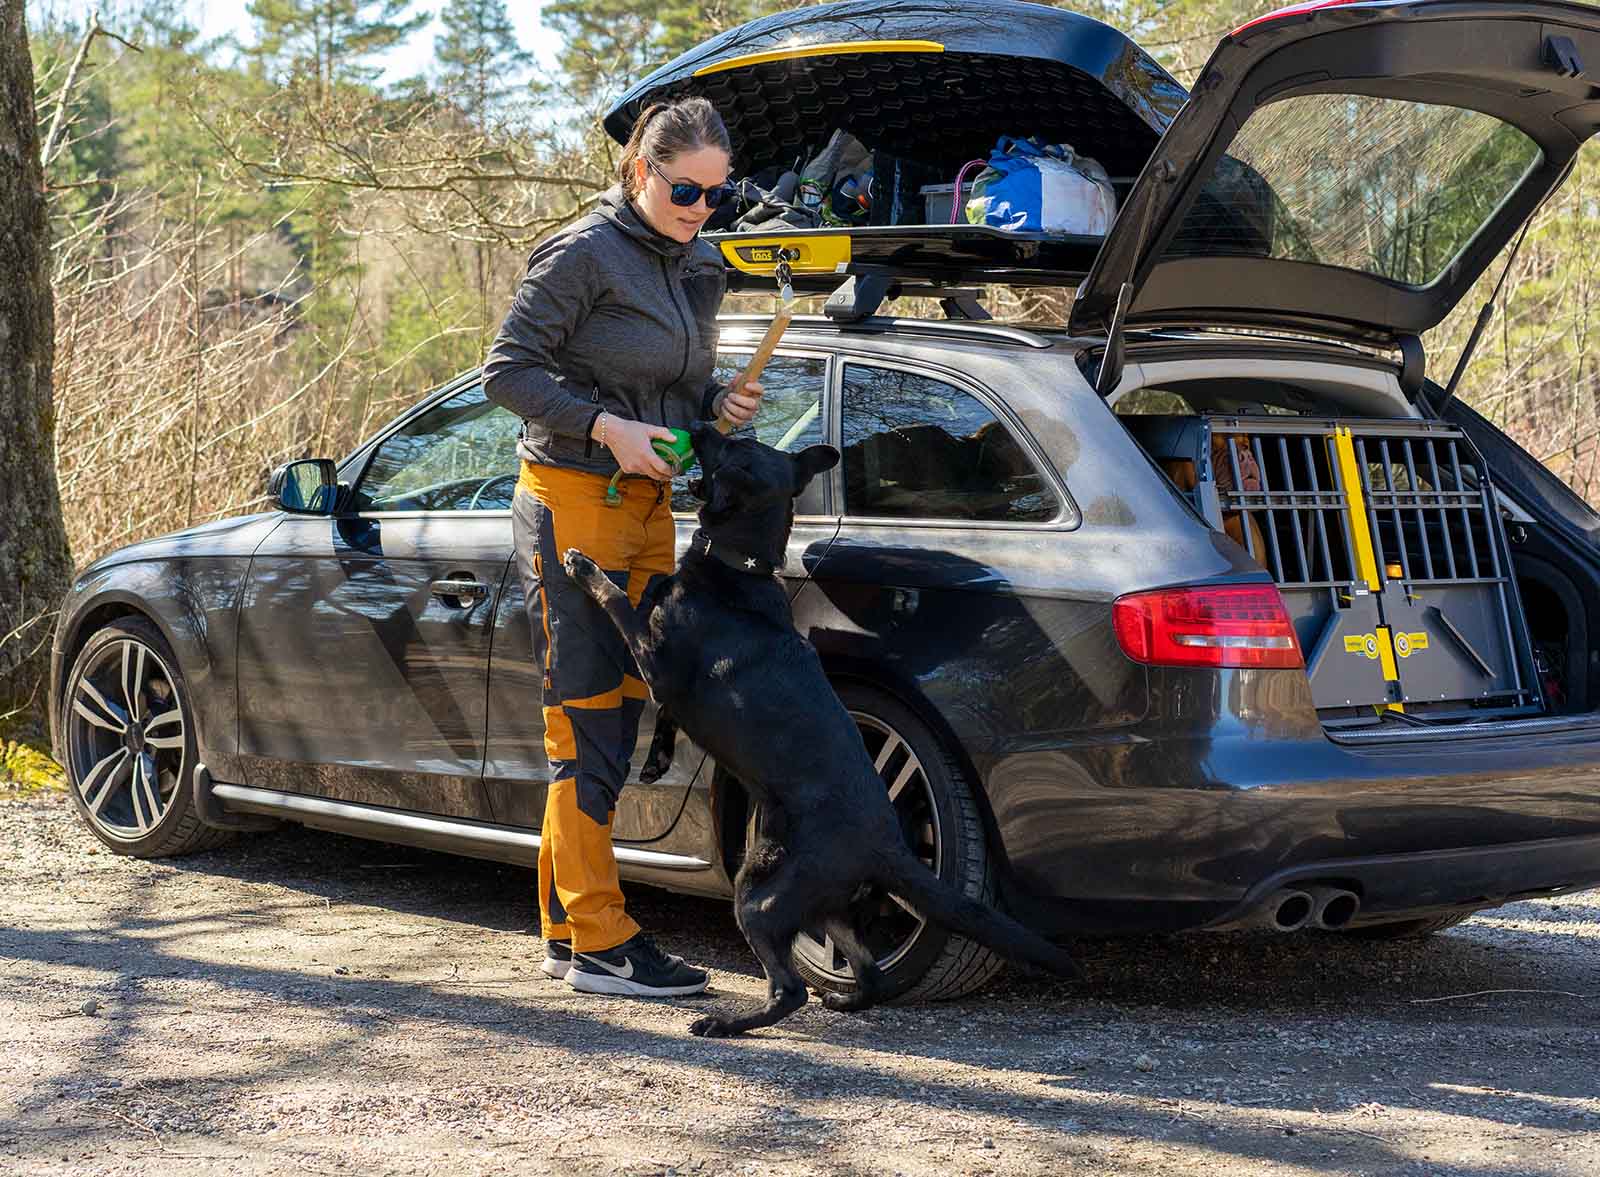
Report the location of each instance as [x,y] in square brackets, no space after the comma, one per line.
[741,476]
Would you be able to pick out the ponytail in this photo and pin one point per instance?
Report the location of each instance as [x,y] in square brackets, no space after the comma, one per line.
[664,130]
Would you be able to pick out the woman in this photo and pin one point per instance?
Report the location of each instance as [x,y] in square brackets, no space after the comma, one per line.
[610,340]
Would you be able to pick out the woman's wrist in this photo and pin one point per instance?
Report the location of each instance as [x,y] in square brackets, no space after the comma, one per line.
[599,429]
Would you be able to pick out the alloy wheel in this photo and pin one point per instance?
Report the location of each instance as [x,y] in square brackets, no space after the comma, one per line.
[125,739]
[887,925]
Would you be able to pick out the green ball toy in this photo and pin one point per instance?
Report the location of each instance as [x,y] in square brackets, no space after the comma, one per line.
[677,453]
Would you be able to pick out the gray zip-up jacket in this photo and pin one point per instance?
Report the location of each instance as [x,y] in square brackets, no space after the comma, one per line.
[610,317]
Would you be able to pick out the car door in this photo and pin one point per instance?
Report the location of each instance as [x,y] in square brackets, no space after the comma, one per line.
[364,639]
[941,582]
[793,415]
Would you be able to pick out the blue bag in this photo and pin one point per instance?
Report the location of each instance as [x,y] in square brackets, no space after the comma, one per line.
[1031,187]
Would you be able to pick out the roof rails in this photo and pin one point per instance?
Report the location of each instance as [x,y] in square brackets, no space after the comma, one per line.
[877,324]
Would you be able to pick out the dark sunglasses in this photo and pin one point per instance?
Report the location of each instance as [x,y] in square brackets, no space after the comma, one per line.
[685,195]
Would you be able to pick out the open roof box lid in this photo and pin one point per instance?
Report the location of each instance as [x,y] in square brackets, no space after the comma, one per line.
[932,81]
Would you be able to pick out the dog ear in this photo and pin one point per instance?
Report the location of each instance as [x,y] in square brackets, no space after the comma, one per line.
[810,462]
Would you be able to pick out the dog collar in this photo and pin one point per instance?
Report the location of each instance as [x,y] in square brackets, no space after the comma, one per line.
[738,561]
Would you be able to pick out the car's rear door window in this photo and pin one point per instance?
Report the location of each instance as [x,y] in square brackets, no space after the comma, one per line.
[916,447]
[460,455]
[1383,186]
[790,419]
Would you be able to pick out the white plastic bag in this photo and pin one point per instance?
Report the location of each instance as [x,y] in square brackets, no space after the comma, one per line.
[1029,186]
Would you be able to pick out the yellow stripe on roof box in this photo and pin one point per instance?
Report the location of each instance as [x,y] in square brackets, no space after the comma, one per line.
[823,50]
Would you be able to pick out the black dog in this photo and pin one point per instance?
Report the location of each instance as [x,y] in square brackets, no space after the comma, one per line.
[717,646]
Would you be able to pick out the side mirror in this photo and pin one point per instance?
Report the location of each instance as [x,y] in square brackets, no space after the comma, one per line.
[306,487]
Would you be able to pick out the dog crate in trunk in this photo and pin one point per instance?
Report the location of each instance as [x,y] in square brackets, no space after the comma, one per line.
[1385,541]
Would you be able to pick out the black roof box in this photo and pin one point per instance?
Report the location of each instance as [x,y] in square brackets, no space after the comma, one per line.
[937,81]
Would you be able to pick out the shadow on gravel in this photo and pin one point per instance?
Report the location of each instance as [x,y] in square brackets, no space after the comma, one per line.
[1238,1031]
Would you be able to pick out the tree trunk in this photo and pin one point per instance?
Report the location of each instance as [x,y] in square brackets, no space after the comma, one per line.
[35,564]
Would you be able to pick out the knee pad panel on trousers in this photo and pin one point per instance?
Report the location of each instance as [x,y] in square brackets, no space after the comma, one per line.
[602,762]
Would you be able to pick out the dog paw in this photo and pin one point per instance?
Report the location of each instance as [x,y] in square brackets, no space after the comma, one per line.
[843,1003]
[709,1026]
[578,566]
[654,769]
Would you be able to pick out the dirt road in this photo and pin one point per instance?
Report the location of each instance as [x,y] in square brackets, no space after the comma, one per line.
[301,1001]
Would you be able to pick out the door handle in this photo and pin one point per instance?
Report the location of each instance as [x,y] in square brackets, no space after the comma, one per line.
[458,590]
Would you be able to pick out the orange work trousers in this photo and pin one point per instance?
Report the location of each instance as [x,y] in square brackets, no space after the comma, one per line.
[593,695]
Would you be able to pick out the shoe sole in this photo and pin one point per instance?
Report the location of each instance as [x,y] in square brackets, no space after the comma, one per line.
[585,982]
[556,970]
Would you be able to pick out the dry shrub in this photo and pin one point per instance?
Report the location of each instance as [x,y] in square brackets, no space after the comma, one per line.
[177,389]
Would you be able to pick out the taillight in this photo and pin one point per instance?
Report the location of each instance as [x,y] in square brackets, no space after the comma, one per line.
[1207,625]
[1291,10]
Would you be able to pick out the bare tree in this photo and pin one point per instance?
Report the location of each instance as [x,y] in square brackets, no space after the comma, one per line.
[35,564]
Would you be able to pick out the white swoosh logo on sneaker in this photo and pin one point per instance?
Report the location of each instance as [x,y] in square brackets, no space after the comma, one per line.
[625,972]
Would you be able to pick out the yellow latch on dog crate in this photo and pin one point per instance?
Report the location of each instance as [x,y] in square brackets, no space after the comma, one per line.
[822,254]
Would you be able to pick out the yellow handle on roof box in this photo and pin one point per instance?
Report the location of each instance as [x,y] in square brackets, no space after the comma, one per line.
[826,49]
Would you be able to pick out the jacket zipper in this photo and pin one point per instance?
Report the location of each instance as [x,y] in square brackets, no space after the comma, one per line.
[672,293]
[588,434]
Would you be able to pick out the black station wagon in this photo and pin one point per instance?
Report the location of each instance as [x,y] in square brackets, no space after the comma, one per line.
[1212,609]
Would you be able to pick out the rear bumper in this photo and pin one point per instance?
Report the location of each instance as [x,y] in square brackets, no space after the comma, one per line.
[1152,830]
[1442,880]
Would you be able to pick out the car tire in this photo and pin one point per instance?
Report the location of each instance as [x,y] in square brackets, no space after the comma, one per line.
[138,801]
[1406,929]
[920,962]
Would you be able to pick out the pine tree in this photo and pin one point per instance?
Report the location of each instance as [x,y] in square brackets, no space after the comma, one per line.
[479,55]
[327,40]
[610,44]
[35,564]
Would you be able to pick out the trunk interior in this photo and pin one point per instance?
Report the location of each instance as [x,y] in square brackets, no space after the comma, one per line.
[1422,594]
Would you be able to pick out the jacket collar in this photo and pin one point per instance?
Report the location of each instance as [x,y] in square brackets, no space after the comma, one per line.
[625,215]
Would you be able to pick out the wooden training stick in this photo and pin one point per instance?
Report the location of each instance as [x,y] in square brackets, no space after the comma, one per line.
[769,341]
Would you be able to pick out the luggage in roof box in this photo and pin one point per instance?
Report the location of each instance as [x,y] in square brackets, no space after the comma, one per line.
[934,82]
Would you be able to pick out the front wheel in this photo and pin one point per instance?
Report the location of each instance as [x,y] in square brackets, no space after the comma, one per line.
[130,744]
[940,820]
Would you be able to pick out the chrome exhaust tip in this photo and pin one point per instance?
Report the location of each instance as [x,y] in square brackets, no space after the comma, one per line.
[1333,907]
[1286,910]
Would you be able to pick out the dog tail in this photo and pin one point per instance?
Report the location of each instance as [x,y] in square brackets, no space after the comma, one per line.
[940,903]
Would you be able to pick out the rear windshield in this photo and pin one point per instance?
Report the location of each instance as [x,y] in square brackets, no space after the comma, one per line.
[1391,188]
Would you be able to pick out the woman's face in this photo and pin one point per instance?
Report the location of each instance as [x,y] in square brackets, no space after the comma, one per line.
[705,166]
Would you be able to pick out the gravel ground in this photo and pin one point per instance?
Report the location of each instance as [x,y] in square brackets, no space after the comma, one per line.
[305,1000]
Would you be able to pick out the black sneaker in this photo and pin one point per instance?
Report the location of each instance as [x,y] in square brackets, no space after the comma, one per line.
[557,958]
[636,968]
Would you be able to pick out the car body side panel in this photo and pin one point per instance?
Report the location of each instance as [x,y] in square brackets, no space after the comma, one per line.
[188,584]
[356,682]
[1000,634]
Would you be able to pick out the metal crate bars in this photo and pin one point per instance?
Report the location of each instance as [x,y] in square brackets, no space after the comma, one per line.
[1385,541]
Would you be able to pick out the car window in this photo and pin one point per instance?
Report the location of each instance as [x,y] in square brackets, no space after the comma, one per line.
[1152,402]
[1380,185]
[460,455]
[919,448]
[790,419]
